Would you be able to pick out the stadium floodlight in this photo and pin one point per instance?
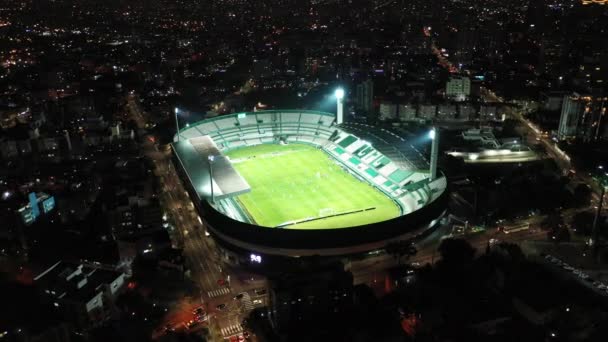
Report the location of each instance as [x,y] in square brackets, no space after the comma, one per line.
[211,158]
[339,93]
[434,135]
[177,122]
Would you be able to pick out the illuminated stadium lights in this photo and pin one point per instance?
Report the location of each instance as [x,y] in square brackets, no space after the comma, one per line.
[339,93]
[211,159]
[434,135]
[176,122]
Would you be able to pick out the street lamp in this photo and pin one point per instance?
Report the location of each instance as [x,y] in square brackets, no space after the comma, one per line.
[339,93]
[211,159]
[177,123]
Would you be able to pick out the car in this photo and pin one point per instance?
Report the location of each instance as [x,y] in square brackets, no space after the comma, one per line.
[257,301]
[221,306]
[198,311]
[260,292]
[192,324]
[241,338]
[246,334]
[239,296]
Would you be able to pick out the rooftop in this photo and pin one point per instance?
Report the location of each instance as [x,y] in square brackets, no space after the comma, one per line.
[195,155]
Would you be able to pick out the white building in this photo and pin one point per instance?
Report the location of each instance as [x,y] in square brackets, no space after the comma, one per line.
[458,88]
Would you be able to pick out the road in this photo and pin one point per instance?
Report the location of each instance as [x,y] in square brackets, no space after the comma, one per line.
[374,271]
[219,284]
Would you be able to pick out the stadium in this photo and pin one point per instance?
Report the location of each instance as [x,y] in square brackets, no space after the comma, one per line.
[296,183]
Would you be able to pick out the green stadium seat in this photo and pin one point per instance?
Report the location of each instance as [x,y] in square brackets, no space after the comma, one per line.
[399,175]
[347,141]
[372,172]
[354,161]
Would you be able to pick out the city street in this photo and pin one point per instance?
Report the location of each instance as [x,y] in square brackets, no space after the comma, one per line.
[218,284]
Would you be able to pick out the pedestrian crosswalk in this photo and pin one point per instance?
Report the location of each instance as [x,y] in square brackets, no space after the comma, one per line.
[232,330]
[247,302]
[218,292]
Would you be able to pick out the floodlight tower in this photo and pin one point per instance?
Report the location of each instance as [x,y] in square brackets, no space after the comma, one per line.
[434,135]
[210,160]
[177,123]
[340,104]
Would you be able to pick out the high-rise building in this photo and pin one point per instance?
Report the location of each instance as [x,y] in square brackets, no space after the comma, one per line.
[581,116]
[364,99]
[458,88]
[388,111]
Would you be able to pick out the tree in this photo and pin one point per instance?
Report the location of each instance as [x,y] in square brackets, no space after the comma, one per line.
[552,221]
[582,195]
[398,249]
[582,223]
[457,252]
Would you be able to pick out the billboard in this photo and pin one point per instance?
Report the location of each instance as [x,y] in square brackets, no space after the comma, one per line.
[48,204]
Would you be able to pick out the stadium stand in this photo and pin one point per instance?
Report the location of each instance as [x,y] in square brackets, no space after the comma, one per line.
[379,156]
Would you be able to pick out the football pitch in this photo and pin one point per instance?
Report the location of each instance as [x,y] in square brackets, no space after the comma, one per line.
[291,183]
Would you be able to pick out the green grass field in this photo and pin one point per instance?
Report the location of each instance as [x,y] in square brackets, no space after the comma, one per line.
[295,182]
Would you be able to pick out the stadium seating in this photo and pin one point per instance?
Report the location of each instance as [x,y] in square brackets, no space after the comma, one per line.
[376,155]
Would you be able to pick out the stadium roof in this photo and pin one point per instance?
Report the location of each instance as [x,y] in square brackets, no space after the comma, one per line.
[195,155]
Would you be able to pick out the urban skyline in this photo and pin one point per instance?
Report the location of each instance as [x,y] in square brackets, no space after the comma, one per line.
[318,170]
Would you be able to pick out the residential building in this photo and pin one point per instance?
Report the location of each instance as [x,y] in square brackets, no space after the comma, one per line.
[84,293]
[458,88]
